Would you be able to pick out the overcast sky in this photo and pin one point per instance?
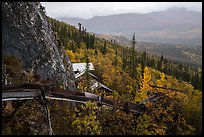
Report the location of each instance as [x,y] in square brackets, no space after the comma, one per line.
[90,9]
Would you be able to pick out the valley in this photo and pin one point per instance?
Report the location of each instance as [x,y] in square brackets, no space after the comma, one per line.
[190,55]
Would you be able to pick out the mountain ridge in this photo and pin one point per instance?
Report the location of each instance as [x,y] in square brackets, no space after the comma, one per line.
[161,26]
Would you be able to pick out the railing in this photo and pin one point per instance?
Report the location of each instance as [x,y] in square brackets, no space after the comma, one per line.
[31,91]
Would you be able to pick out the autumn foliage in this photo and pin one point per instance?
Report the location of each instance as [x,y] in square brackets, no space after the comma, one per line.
[174,113]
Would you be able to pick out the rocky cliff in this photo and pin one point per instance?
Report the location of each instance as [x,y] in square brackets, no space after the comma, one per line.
[27,35]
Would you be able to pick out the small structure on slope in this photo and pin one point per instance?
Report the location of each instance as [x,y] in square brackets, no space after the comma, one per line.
[80,69]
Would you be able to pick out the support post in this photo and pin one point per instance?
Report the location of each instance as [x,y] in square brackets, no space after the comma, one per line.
[50,132]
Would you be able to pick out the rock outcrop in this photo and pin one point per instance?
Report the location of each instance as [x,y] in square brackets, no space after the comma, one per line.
[27,35]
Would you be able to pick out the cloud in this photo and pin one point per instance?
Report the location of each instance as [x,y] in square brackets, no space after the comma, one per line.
[90,9]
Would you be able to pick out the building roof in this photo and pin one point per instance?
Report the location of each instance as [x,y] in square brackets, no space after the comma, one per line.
[97,85]
[82,67]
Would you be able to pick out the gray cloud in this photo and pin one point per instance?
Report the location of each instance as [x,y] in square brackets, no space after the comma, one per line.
[90,9]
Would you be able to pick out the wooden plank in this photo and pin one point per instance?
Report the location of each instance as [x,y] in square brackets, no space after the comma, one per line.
[20,90]
[71,97]
[30,91]
[154,96]
[24,86]
[107,102]
[64,99]
[136,107]
[90,95]
[33,93]
[66,92]
[13,99]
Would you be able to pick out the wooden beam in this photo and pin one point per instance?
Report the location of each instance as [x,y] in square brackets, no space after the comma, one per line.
[31,94]
[30,91]
[13,99]
[20,86]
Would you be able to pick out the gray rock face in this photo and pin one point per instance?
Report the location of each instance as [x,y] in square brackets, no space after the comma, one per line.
[27,35]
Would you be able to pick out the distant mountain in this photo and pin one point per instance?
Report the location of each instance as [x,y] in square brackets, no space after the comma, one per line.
[175,25]
[117,39]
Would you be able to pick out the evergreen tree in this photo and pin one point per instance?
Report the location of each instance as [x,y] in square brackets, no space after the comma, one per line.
[152,63]
[95,48]
[133,57]
[134,74]
[87,41]
[165,69]
[124,59]
[79,27]
[87,71]
[160,63]
[92,41]
[116,55]
[79,37]
[143,61]
[104,50]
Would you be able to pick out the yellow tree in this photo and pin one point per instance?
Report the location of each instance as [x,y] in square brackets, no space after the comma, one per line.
[145,85]
[85,120]
[161,82]
[71,55]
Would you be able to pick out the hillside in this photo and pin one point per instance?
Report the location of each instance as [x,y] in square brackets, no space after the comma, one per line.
[114,67]
[44,45]
[191,55]
[174,26]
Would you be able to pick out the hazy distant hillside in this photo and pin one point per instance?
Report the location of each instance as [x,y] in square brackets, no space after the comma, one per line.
[175,25]
[117,39]
[186,54]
